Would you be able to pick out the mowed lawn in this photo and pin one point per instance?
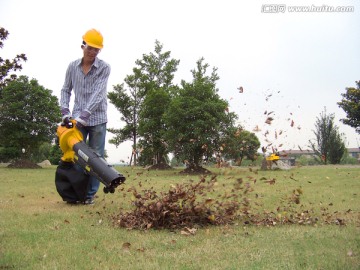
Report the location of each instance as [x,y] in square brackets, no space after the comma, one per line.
[39,231]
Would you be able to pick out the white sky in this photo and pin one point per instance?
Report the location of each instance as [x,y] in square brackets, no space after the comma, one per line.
[305,60]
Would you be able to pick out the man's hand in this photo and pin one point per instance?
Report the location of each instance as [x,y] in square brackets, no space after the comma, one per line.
[66,115]
[83,119]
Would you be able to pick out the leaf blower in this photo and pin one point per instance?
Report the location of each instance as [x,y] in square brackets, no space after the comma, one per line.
[72,181]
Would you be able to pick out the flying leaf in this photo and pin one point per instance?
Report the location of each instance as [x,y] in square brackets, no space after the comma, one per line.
[256,129]
[271,181]
[268,120]
[188,231]
[208,201]
[126,246]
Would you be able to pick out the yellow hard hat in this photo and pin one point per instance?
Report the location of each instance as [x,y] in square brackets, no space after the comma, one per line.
[93,38]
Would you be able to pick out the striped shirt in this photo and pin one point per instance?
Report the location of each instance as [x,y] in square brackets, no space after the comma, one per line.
[90,90]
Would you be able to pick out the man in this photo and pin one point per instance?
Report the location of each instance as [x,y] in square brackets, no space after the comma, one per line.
[88,77]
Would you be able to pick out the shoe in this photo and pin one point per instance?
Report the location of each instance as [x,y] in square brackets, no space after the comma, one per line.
[89,201]
[72,202]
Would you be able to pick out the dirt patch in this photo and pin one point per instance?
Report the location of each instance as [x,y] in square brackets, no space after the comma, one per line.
[160,166]
[196,170]
[23,164]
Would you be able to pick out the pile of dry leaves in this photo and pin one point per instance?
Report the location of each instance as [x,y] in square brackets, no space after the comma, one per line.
[198,204]
[184,205]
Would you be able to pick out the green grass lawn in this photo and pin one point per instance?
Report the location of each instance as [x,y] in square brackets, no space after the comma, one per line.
[39,231]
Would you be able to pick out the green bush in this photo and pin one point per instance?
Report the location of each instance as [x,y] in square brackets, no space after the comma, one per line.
[8,154]
[55,154]
[349,160]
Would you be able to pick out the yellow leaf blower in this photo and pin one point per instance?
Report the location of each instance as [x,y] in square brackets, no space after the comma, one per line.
[72,181]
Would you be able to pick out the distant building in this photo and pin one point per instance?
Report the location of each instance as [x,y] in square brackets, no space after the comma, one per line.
[354,152]
[290,155]
[296,153]
[288,160]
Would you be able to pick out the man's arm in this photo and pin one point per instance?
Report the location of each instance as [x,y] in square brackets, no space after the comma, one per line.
[66,90]
[99,92]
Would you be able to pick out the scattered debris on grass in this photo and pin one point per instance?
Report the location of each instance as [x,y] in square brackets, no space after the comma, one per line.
[184,205]
[190,205]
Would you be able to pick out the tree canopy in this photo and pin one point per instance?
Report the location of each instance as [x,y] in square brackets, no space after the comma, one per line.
[350,103]
[6,65]
[158,71]
[128,102]
[240,144]
[152,127]
[197,118]
[29,114]
[153,72]
[329,145]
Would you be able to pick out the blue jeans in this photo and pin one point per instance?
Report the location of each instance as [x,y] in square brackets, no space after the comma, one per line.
[96,140]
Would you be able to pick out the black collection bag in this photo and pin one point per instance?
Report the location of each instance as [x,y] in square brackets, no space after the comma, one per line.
[71,183]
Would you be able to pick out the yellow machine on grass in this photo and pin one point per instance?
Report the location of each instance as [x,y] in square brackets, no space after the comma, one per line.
[273,162]
[273,157]
[72,181]
[268,161]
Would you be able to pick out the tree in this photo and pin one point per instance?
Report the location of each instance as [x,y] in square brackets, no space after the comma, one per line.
[351,105]
[152,127]
[329,146]
[129,106]
[55,154]
[29,114]
[240,144]
[47,151]
[6,66]
[153,72]
[8,153]
[197,118]
[337,147]
[42,152]
[158,70]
